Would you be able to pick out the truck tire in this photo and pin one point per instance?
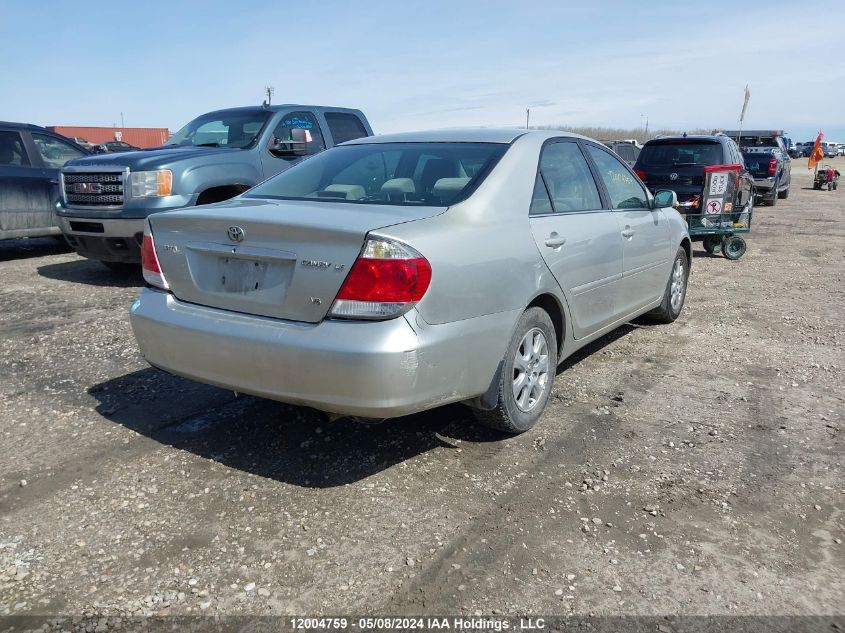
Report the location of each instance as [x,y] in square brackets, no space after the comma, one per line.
[783,195]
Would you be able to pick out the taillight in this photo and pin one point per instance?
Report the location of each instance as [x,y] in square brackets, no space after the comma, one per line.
[386,280]
[773,166]
[641,174]
[149,261]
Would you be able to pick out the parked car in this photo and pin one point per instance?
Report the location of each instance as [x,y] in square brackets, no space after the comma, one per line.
[831,150]
[400,273]
[772,166]
[678,162]
[807,148]
[81,142]
[114,146]
[30,159]
[626,150]
[841,148]
[214,157]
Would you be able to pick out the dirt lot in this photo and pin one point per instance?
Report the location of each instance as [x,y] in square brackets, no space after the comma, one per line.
[695,468]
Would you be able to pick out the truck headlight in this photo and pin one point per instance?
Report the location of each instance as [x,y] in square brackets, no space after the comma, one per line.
[150,184]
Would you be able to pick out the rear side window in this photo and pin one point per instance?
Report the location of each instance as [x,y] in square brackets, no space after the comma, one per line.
[344,126]
[566,180]
[680,154]
[624,190]
[11,149]
[303,121]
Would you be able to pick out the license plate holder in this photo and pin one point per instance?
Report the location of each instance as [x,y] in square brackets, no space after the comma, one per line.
[241,275]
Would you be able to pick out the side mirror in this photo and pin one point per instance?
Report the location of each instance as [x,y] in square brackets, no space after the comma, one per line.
[665,198]
[297,145]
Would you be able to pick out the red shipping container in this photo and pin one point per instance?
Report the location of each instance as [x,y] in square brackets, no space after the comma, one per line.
[137,136]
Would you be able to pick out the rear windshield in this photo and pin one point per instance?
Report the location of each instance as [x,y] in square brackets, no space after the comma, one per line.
[679,154]
[405,174]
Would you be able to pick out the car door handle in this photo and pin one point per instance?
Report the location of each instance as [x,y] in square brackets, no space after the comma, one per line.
[555,241]
[628,232]
[54,181]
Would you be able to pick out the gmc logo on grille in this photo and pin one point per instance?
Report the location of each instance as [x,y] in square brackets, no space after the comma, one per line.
[87,187]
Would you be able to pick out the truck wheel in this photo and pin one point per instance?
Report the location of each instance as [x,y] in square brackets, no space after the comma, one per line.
[528,372]
[711,243]
[733,247]
[783,195]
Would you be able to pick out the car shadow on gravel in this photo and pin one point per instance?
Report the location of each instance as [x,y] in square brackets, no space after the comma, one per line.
[295,445]
[92,273]
[29,247]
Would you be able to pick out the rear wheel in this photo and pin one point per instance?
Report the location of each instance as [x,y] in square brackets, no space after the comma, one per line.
[733,247]
[712,243]
[783,195]
[528,371]
[676,291]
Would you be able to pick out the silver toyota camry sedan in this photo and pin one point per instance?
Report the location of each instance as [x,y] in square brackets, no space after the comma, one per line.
[394,274]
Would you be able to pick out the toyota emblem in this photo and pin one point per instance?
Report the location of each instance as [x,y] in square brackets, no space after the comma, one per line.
[235,233]
[673,176]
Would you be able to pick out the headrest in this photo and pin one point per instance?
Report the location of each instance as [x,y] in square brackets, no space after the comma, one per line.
[398,186]
[447,188]
[352,192]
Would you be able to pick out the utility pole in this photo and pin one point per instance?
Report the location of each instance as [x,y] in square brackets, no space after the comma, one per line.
[269,90]
[121,120]
[527,116]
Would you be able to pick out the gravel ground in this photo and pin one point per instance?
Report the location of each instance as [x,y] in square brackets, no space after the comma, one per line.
[695,468]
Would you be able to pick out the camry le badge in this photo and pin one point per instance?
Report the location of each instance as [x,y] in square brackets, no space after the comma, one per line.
[236,233]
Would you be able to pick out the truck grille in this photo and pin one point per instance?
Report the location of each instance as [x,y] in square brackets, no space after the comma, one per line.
[94,189]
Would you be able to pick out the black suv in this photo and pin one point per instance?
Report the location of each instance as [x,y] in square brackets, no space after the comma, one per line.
[678,162]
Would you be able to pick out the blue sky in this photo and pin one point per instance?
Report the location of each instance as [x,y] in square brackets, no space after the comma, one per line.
[416,65]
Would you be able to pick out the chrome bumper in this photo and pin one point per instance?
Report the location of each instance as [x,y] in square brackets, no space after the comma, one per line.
[376,369]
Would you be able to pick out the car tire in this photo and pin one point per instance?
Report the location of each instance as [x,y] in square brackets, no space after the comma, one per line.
[531,358]
[712,243]
[783,195]
[676,291]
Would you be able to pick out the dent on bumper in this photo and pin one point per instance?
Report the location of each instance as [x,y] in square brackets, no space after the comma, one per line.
[371,369]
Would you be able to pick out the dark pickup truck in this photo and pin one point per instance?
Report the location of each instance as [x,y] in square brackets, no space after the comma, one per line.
[105,198]
[768,161]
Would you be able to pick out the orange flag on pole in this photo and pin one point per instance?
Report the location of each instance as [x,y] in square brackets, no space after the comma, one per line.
[817,154]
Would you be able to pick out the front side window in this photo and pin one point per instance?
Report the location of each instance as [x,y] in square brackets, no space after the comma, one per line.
[11,149]
[303,121]
[624,190]
[404,174]
[236,129]
[54,152]
[567,180]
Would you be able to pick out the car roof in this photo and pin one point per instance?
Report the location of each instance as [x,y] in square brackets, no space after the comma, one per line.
[24,126]
[715,138]
[461,135]
[280,107]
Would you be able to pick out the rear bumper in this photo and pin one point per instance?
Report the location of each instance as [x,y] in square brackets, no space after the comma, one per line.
[377,369]
[764,186]
[111,240]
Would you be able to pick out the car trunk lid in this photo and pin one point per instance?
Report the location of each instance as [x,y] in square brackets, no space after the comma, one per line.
[282,259]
